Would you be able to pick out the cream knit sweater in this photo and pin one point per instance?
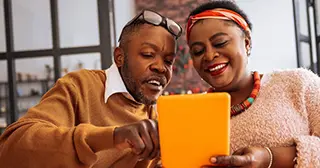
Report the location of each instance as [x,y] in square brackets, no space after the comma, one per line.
[286,112]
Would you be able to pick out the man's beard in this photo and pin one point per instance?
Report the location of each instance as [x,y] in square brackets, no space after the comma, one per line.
[132,86]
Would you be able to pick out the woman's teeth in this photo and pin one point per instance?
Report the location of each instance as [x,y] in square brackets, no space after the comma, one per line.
[218,67]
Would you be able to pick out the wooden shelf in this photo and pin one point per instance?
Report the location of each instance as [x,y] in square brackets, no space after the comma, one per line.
[28,82]
[23,97]
[21,112]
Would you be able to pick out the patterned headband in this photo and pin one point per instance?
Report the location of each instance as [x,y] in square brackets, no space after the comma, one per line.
[217,14]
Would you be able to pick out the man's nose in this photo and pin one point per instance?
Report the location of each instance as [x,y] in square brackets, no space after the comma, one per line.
[158,65]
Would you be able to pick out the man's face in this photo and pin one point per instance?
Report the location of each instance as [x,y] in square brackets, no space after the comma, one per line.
[146,68]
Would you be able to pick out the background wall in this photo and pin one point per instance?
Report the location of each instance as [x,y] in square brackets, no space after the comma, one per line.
[273,32]
[273,35]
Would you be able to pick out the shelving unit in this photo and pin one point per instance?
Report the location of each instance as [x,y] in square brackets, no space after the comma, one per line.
[45,85]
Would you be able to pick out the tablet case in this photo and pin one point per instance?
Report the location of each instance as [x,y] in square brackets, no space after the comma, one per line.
[192,128]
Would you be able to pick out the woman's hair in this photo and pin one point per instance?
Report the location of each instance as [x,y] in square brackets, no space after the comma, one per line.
[225,4]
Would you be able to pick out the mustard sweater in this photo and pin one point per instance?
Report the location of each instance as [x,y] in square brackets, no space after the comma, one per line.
[72,126]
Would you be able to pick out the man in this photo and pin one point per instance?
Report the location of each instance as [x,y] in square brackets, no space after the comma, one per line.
[95,118]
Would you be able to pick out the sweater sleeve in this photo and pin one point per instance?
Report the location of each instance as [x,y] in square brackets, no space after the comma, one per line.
[49,135]
[308,147]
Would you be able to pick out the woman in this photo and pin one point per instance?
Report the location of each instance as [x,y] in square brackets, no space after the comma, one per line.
[275,117]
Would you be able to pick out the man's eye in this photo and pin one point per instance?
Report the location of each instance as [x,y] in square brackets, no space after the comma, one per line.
[169,62]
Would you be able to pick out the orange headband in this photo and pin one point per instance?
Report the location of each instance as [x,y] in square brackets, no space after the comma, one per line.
[217,14]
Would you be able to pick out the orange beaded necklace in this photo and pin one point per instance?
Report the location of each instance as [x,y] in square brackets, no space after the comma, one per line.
[241,107]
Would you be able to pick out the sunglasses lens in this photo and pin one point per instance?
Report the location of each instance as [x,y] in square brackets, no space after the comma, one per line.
[152,17]
[174,27]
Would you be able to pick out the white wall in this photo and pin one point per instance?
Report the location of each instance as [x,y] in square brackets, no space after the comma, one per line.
[273,34]
[318,10]
[124,12]
[2,31]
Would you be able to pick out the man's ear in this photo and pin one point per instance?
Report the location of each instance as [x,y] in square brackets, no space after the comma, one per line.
[118,56]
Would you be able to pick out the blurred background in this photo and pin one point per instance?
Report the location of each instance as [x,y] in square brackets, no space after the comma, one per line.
[41,40]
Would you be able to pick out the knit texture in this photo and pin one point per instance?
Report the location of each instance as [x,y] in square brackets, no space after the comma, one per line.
[286,112]
[72,126]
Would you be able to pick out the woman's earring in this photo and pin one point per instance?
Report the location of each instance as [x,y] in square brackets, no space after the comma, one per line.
[248,52]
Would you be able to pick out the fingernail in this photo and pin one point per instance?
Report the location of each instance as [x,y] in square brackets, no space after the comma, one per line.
[213,160]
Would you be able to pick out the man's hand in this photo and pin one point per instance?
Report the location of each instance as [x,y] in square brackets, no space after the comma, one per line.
[251,157]
[141,136]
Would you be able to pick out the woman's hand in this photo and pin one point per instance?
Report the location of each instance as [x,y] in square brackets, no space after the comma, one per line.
[250,157]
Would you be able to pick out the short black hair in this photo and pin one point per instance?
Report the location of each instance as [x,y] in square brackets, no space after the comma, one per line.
[128,31]
[225,4]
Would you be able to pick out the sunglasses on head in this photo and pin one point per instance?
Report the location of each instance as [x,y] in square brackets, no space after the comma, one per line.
[156,19]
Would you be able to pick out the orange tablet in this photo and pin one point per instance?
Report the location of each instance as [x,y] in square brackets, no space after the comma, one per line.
[192,128]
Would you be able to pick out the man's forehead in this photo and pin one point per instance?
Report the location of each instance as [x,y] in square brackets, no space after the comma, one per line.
[152,36]
[151,30]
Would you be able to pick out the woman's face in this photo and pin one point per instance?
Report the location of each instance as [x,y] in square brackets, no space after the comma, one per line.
[219,52]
